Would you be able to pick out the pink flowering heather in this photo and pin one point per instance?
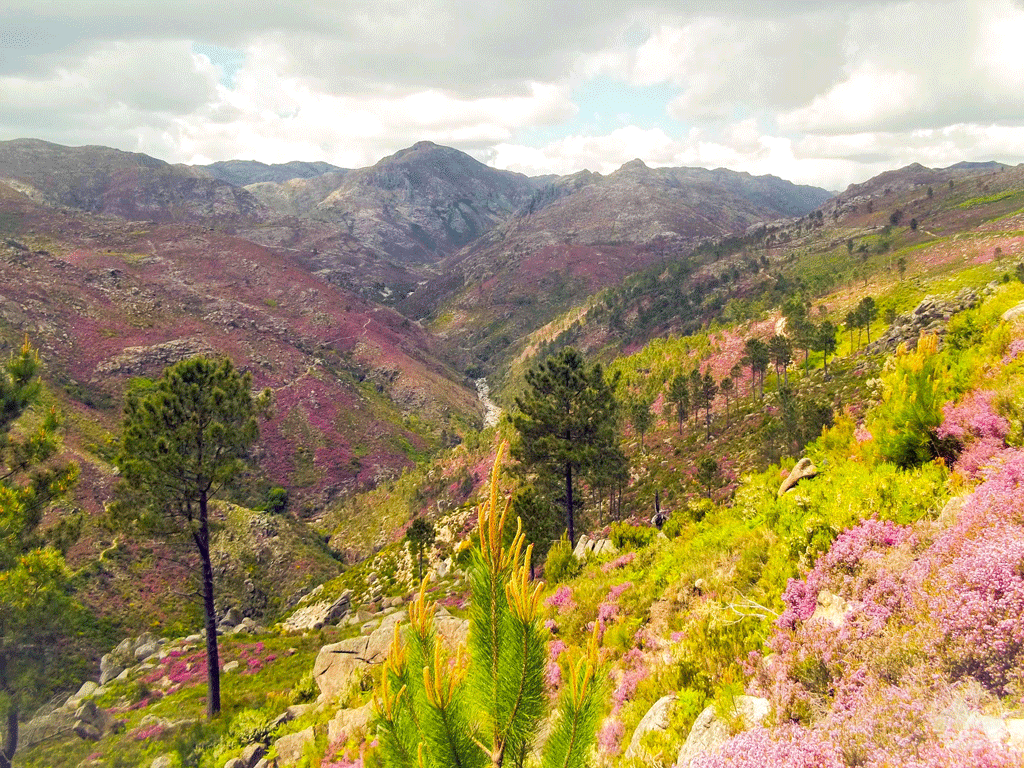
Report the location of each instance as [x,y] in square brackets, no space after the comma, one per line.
[553,671]
[1013,351]
[619,562]
[634,671]
[973,417]
[562,601]
[923,614]
[977,426]
[788,747]
[863,435]
[610,735]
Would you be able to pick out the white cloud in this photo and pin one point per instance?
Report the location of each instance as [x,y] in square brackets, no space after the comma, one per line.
[824,93]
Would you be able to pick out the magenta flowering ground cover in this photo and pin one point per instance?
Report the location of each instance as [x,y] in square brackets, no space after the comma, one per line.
[926,613]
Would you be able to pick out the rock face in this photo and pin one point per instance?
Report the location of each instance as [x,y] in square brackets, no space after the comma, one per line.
[126,184]
[709,731]
[290,747]
[804,469]
[587,546]
[338,666]
[138,360]
[656,719]
[347,722]
[319,614]
[931,315]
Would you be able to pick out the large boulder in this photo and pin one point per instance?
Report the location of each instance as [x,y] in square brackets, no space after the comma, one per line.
[110,667]
[348,722]
[340,665]
[290,748]
[658,718]
[319,614]
[804,469]
[710,731]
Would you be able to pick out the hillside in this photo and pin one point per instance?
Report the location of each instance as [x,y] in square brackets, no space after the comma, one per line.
[241,173]
[847,583]
[826,626]
[587,232]
[129,185]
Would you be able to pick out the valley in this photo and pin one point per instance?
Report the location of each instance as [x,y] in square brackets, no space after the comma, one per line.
[869,615]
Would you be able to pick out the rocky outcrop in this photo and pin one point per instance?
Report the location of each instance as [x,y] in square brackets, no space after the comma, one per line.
[348,722]
[803,470]
[931,315]
[139,360]
[710,731]
[290,748]
[587,546]
[319,614]
[340,665]
[658,718]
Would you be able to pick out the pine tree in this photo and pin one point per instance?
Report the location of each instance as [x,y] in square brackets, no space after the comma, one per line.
[185,437]
[36,606]
[484,704]
[679,395]
[707,473]
[641,418]
[420,535]
[825,341]
[566,420]
[868,311]
[709,388]
[726,387]
[781,350]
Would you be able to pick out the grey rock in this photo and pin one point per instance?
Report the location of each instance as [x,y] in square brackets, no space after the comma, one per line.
[709,731]
[236,762]
[348,722]
[1013,313]
[164,761]
[231,666]
[232,618]
[831,609]
[289,748]
[87,731]
[88,689]
[803,470]
[252,754]
[339,665]
[658,718]
[143,652]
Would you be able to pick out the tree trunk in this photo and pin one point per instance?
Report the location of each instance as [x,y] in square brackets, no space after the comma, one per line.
[10,739]
[568,505]
[212,657]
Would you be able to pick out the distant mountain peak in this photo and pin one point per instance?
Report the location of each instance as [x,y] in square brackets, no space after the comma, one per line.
[635,165]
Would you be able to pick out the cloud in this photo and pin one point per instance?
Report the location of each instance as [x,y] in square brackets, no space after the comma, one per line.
[824,93]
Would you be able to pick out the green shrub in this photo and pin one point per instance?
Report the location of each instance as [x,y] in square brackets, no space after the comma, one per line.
[277,500]
[305,689]
[626,536]
[561,564]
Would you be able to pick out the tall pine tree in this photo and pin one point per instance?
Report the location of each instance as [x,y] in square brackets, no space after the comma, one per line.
[567,420]
[36,606]
[185,437]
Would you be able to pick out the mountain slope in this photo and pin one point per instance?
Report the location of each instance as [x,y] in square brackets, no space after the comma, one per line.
[241,173]
[360,391]
[586,232]
[133,186]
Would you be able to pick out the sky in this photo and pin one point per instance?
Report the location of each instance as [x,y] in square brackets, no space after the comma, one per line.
[823,93]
